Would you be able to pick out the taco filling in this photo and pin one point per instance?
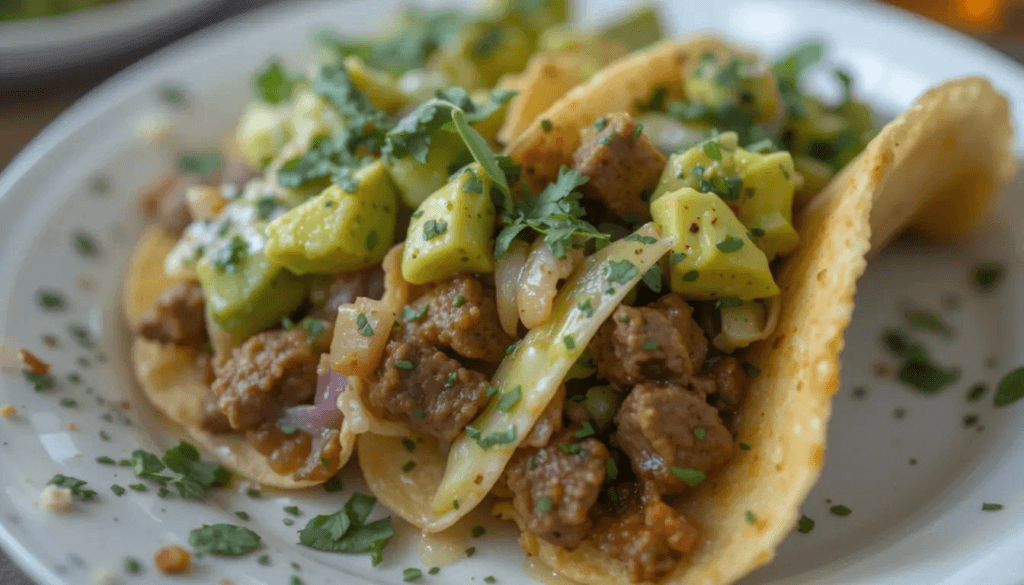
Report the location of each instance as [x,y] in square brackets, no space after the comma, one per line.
[257,259]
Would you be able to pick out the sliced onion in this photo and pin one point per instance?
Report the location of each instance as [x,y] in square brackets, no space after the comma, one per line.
[360,418]
[323,413]
[538,282]
[507,272]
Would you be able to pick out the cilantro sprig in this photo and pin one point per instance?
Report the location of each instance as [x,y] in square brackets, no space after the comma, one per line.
[74,484]
[556,213]
[346,531]
[226,540]
[180,468]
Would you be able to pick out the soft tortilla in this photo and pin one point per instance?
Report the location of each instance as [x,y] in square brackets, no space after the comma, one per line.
[172,381]
[956,134]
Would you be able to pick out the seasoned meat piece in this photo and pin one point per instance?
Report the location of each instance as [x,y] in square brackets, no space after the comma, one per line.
[271,371]
[427,390]
[621,162]
[213,420]
[177,317]
[166,204]
[657,342]
[555,487]
[660,430]
[650,537]
[730,383]
[461,314]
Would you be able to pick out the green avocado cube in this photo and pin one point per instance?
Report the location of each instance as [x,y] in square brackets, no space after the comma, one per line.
[714,257]
[417,180]
[338,230]
[251,293]
[452,231]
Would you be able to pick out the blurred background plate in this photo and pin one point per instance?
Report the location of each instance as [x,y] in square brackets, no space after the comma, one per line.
[45,46]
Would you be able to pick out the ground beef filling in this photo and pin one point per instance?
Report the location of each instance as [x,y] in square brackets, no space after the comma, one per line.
[615,483]
[177,317]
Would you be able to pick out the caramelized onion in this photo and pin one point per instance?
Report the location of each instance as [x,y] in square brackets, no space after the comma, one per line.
[539,281]
[507,272]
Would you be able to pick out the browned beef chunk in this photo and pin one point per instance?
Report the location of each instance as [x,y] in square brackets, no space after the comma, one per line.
[649,536]
[271,371]
[213,420]
[668,431]
[177,317]
[460,314]
[621,162]
[657,342]
[730,381]
[429,391]
[165,202]
[555,487]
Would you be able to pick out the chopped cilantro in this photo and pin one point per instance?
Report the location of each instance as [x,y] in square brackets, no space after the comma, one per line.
[601,123]
[190,476]
[200,164]
[272,83]
[570,448]
[745,447]
[458,301]
[544,505]
[611,469]
[690,276]
[991,507]
[409,444]
[85,244]
[805,525]
[729,244]
[118,490]
[1011,388]
[921,373]
[976,392]
[569,342]
[509,399]
[486,442]
[692,477]
[491,390]
[363,325]
[585,307]
[242,515]
[450,380]
[585,430]
[621,271]
[228,256]
[409,314]
[73,484]
[556,213]
[987,276]
[471,550]
[403,364]
[293,510]
[477,531]
[750,369]
[653,278]
[225,540]
[266,206]
[39,382]
[700,432]
[409,466]
[346,531]
[490,579]
[434,570]
[840,510]
[926,320]
[132,565]
[263,560]
[51,300]
[253,492]
[749,516]
[106,460]
[713,150]
[138,487]
[68,402]
[433,228]
[411,574]
[546,125]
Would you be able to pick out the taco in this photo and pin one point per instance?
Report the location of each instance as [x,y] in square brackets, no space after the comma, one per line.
[664,431]
[258,260]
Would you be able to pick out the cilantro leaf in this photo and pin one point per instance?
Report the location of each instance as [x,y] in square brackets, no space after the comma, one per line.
[195,476]
[73,484]
[346,531]
[226,540]
[556,214]
[334,83]
[272,83]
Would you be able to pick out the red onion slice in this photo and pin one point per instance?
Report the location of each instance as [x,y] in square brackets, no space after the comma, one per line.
[323,413]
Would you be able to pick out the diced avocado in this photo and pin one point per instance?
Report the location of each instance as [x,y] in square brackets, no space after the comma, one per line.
[714,257]
[250,295]
[757,187]
[485,51]
[416,180]
[338,230]
[452,231]
[739,85]
[262,132]
[379,86]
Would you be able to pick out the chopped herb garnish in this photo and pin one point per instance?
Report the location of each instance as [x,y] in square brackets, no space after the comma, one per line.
[190,476]
[570,448]
[242,515]
[333,484]
[73,484]
[600,123]
[411,574]
[650,345]
[750,369]
[409,314]
[749,516]
[138,487]
[700,432]
[433,228]
[1011,388]
[451,379]
[131,565]
[293,510]
[544,505]
[729,244]
[745,447]
[85,244]
[692,477]
[106,460]
[253,492]
[924,375]
[510,399]
[691,276]
[434,570]
[225,540]
[976,392]
[621,271]
[653,278]
[409,444]
[840,510]
[272,83]
[546,125]
[477,531]
[486,442]
[265,206]
[288,522]
[403,364]
[611,469]
[471,550]
[409,466]
[712,149]
[228,256]
[805,525]
[458,301]
[201,164]
[928,321]
[68,402]
[677,257]
[40,382]
[51,300]
[263,560]
[118,490]
[585,430]
[585,307]
[490,579]
[363,325]
[986,507]
[987,276]
[569,342]
[346,531]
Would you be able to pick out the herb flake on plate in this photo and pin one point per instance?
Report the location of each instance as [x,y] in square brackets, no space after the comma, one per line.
[225,540]
[346,531]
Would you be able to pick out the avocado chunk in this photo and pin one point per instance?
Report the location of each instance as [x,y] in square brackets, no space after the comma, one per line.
[714,257]
[250,293]
[262,133]
[417,180]
[452,231]
[757,187]
[379,86]
[736,88]
[338,230]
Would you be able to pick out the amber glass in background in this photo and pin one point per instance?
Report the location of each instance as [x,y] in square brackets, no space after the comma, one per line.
[997,22]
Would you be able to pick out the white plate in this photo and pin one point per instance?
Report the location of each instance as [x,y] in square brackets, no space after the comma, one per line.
[45,45]
[911,524]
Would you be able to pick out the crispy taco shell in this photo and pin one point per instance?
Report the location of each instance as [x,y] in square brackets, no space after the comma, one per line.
[946,155]
[172,381]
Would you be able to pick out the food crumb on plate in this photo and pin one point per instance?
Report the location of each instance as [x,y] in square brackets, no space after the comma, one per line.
[72,427]
[103,577]
[172,560]
[56,499]
[32,364]
[8,411]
